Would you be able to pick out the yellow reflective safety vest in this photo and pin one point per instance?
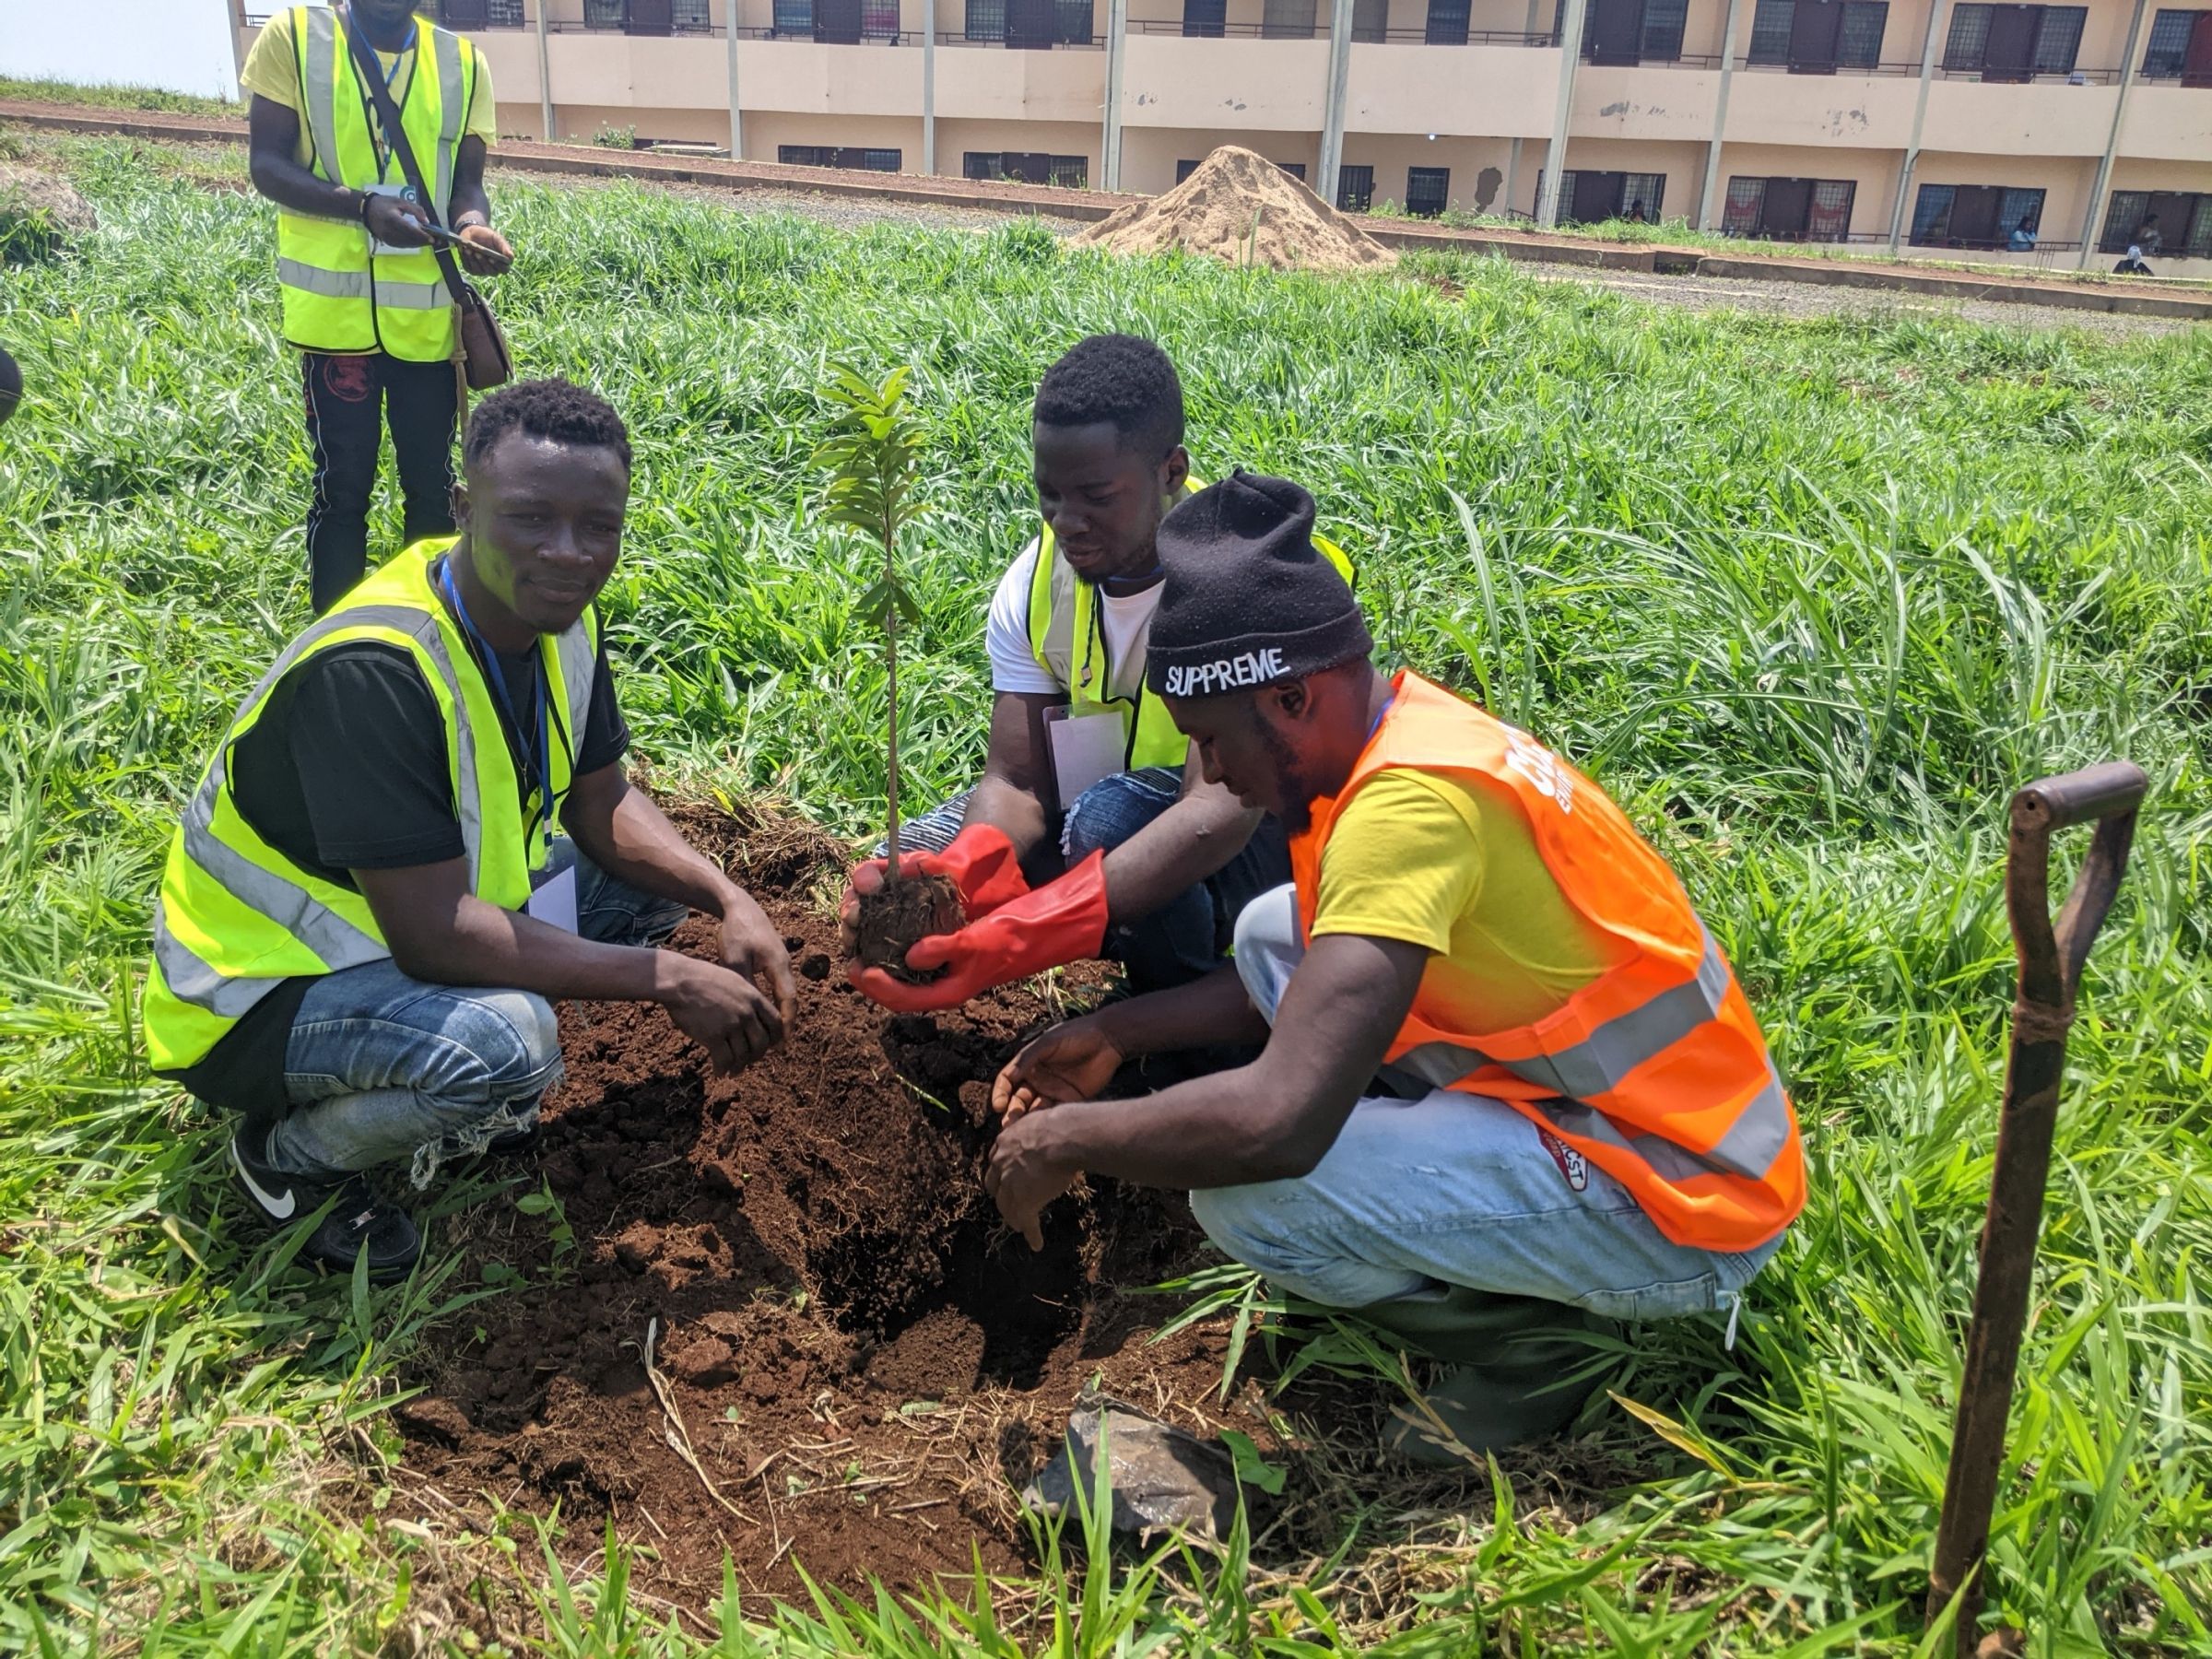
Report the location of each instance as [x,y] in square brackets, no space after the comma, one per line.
[236,918]
[1067,637]
[337,296]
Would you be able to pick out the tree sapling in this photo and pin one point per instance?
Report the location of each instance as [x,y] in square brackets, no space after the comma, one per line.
[871,455]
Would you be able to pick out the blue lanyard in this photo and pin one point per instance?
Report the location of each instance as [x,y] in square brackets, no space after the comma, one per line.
[1375,724]
[489,659]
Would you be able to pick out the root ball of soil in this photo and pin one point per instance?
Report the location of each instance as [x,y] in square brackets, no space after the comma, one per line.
[898,914]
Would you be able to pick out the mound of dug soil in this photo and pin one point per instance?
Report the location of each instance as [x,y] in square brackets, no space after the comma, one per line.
[1239,206]
[862,1360]
[40,215]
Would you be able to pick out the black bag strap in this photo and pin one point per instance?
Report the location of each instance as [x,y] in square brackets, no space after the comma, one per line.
[370,75]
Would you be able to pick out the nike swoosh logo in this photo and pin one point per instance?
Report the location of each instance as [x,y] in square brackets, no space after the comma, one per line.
[279,1209]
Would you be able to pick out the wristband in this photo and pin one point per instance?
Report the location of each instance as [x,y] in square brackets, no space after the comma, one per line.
[361,212]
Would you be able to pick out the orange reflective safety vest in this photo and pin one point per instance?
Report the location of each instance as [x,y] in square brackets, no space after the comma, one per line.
[1655,1071]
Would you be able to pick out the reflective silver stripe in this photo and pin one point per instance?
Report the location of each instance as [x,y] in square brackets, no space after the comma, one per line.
[579,658]
[1761,1132]
[453,114]
[190,979]
[317,28]
[466,801]
[332,285]
[411,296]
[1598,1064]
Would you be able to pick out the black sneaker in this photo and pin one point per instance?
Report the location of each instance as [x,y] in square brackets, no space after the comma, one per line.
[358,1220]
[515,1143]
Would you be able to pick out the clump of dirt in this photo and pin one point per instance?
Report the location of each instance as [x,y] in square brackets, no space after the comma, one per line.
[1239,206]
[40,215]
[862,1360]
[902,913]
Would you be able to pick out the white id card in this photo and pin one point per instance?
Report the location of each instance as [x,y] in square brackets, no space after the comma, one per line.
[377,245]
[555,903]
[1086,748]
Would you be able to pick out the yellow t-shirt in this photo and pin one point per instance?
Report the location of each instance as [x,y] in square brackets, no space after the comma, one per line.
[1450,864]
[272,71]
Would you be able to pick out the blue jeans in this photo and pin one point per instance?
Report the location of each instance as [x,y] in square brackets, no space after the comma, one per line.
[380,1066]
[1450,1189]
[1182,940]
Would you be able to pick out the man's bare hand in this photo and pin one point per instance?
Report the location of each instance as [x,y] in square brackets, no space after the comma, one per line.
[397,222]
[1025,1174]
[724,1011]
[1071,1061]
[751,945]
[484,252]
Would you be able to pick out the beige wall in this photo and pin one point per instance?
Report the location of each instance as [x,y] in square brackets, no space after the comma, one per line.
[1506,92]
[1481,168]
[764,133]
[1149,154]
[2040,120]
[1824,111]
[1018,86]
[1268,86]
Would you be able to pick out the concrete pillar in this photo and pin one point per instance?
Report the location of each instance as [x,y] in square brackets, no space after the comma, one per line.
[1898,209]
[545,76]
[238,47]
[1513,174]
[929,87]
[1555,159]
[1117,42]
[1708,200]
[730,26]
[1340,71]
[2091,217]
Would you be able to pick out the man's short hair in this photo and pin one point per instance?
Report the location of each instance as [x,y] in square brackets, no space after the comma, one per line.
[1117,380]
[554,409]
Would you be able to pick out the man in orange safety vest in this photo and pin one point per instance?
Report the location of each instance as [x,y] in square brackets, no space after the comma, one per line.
[1511,1093]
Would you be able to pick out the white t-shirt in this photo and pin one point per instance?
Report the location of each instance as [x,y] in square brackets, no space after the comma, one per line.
[1126,622]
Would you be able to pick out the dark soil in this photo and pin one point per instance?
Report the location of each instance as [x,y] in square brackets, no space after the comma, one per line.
[900,914]
[866,1361]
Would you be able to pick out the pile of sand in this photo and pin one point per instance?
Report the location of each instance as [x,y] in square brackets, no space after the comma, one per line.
[1242,208]
[40,215]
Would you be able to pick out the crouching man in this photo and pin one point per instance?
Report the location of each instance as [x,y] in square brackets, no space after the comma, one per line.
[367,906]
[1510,1091]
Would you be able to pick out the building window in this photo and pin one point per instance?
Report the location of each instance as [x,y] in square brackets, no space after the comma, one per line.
[1590,198]
[1069,172]
[2014,43]
[792,17]
[829,155]
[1633,31]
[1447,22]
[1789,209]
[1355,189]
[482,14]
[1183,169]
[2176,223]
[1370,21]
[2181,45]
[1818,37]
[605,14]
[1427,191]
[1974,216]
[693,15]
[1201,19]
[1287,19]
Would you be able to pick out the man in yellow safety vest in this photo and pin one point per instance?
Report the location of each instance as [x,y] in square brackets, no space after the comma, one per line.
[1086,787]
[363,299]
[366,913]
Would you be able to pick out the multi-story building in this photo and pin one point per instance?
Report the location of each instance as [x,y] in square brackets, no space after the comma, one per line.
[1940,128]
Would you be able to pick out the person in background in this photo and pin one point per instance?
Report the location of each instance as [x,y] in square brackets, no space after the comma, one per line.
[366,913]
[1511,1091]
[2131,263]
[1135,854]
[2023,236]
[363,299]
[2149,237]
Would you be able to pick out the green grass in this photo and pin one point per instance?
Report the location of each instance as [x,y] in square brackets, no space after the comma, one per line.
[1811,598]
[115,97]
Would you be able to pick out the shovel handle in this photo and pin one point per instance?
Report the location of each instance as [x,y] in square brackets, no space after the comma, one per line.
[2051,958]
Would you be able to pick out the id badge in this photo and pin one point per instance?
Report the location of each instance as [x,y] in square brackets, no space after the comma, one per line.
[553,901]
[380,247]
[1086,749]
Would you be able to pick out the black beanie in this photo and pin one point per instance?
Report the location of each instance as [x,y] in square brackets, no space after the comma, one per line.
[1248,598]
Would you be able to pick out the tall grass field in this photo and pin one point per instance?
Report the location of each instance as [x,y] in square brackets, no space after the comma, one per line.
[1810,598]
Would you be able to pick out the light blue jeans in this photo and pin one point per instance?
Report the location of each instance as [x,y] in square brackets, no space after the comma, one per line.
[1450,1189]
[380,1066]
[1182,940]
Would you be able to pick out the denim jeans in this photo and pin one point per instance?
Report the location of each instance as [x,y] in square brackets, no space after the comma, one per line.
[380,1066]
[1181,941]
[1450,1189]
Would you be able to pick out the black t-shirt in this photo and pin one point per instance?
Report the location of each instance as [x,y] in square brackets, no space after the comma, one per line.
[347,770]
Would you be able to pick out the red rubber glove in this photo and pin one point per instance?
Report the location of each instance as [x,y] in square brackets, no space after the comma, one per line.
[981,862]
[1061,922]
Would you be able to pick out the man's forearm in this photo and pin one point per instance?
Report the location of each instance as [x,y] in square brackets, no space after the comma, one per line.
[1015,812]
[1214,1010]
[1215,1131]
[288,184]
[1181,847]
[483,944]
[635,843]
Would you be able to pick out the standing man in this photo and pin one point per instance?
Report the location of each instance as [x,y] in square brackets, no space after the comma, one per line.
[363,299]
[1085,786]
[1510,1089]
[367,914]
